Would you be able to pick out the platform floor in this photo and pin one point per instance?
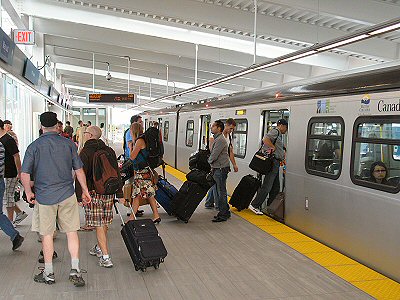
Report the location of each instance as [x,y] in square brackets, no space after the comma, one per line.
[230,260]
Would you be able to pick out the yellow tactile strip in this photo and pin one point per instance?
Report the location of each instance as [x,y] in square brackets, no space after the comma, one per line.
[364,278]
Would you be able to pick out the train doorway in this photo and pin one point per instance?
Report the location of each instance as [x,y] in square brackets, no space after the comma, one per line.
[204,132]
[275,205]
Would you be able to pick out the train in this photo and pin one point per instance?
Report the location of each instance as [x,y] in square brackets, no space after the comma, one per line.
[332,199]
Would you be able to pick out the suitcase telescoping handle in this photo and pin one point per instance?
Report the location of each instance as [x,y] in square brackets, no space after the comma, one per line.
[117,211]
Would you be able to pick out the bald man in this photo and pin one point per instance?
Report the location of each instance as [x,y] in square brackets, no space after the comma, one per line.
[98,213]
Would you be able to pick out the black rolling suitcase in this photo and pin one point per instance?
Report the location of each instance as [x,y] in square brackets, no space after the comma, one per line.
[244,192]
[143,243]
[187,199]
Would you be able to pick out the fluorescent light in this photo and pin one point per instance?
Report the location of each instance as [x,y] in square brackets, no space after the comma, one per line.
[298,56]
[171,101]
[345,42]
[388,28]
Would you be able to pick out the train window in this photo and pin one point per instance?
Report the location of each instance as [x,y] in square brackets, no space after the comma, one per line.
[239,138]
[375,156]
[324,149]
[189,133]
[166,131]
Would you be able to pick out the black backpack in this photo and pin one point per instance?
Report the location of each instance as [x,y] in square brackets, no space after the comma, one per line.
[154,146]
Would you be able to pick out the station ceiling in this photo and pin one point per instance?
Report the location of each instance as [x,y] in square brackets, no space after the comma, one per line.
[160,37]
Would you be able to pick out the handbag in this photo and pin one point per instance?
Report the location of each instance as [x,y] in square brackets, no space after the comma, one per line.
[262,161]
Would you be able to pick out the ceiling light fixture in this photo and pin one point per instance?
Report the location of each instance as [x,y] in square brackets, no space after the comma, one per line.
[359,35]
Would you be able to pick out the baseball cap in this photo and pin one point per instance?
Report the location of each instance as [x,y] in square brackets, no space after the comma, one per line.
[282,122]
[48,119]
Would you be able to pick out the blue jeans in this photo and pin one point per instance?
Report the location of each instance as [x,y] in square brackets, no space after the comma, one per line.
[5,223]
[221,197]
[210,200]
[266,187]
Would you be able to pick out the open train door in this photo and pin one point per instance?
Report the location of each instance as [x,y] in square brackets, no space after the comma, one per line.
[275,205]
[204,132]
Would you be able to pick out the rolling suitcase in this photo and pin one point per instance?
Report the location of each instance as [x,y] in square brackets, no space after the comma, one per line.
[244,192]
[165,193]
[187,199]
[144,245]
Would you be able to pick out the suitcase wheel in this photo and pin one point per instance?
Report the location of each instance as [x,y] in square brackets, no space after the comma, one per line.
[136,268]
[156,266]
[161,260]
[186,222]
[143,269]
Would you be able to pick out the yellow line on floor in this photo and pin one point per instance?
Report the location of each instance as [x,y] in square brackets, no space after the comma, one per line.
[362,277]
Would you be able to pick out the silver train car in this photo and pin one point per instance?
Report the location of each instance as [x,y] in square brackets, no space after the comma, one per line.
[332,198]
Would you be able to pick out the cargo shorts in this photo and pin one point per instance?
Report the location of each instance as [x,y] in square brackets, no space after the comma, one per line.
[65,213]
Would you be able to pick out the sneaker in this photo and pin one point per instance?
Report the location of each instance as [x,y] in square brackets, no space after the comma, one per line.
[255,210]
[17,242]
[96,251]
[105,262]
[43,278]
[20,217]
[41,257]
[76,278]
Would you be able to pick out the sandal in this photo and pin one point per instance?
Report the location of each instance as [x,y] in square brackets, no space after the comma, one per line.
[86,228]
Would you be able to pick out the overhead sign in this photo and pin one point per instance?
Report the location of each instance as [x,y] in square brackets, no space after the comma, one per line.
[22,36]
[31,72]
[6,48]
[112,98]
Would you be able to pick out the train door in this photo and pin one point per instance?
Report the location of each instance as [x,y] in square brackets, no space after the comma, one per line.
[204,131]
[270,117]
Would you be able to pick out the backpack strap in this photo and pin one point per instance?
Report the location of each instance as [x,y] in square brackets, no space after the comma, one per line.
[277,136]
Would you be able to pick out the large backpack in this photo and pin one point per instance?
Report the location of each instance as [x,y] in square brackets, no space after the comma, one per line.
[106,176]
[154,146]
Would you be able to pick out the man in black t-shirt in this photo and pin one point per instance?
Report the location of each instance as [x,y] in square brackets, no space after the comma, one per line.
[12,169]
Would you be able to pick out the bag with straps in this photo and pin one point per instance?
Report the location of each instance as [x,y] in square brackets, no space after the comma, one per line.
[106,176]
[154,146]
[262,161]
[199,160]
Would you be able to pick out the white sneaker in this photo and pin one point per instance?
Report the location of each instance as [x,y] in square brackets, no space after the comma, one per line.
[105,262]
[96,251]
[255,210]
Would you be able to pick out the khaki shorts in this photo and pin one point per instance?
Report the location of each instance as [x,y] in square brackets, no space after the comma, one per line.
[66,213]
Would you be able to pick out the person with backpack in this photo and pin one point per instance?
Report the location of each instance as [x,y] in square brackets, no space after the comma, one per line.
[271,142]
[104,183]
[143,158]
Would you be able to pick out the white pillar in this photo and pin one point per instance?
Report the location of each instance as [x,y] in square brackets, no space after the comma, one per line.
[255,32]
[196,65]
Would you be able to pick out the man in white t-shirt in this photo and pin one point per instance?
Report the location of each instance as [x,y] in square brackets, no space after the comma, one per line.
[230,126]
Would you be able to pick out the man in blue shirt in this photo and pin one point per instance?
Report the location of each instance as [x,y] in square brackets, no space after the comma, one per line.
[50,159]
[128,137]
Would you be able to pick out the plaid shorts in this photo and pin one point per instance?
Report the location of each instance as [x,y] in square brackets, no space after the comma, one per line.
[11,186]
[99,211]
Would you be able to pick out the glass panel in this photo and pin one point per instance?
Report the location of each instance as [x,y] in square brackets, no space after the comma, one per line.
[166,131]
[324,156]
[89,114]
[373,164]
[241,125]
[239,142]
[326,128]
[189,133]
[379,130]
[205,131]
